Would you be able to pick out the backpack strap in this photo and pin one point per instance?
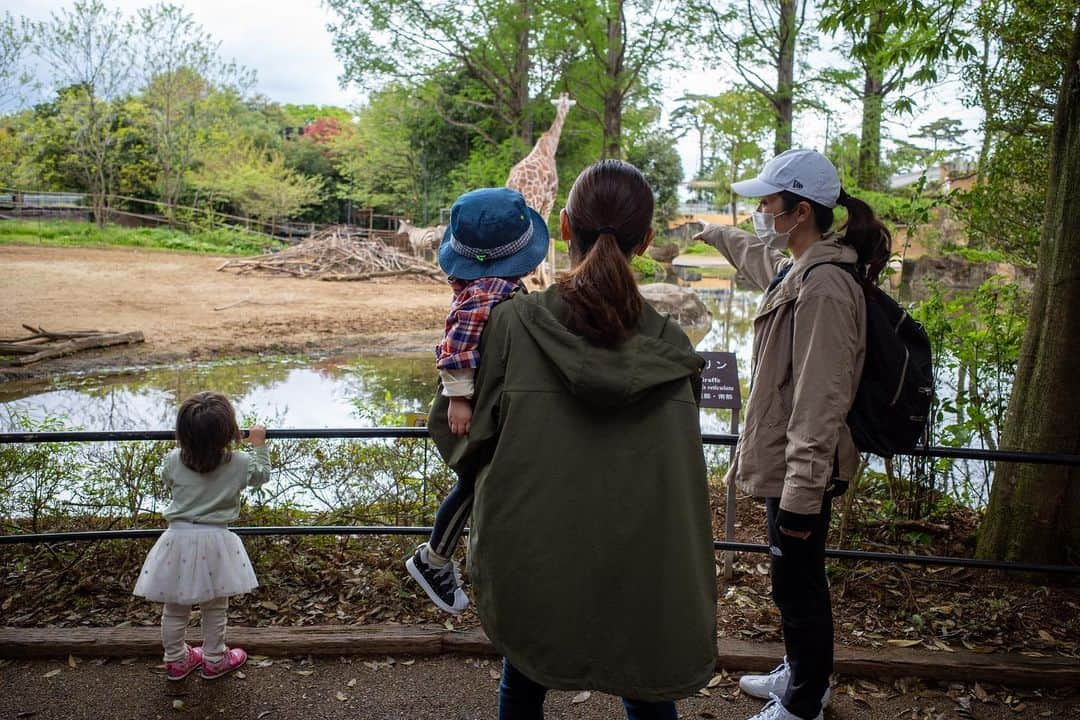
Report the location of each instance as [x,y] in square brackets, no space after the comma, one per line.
[849,267]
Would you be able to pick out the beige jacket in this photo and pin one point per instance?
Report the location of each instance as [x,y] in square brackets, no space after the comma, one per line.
[809,344]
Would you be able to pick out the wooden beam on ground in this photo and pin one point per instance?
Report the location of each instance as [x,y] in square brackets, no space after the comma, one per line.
[427,640]
[86,343]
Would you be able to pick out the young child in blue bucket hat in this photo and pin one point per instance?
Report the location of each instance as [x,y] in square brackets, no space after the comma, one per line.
[493,240]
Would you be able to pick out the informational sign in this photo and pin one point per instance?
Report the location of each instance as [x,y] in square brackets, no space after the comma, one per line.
[415,419]
[720,381]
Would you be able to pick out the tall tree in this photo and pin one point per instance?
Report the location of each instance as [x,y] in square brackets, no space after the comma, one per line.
[1034,510]
[408,41]
[88,52]
[620,45]
[691,116]
[178,66]
[739,120]
[1015,79]
[759,37]
[897,44]
[946,132]
[16,38]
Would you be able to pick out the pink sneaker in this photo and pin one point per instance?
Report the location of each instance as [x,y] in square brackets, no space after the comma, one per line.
[182,668]
[232,659]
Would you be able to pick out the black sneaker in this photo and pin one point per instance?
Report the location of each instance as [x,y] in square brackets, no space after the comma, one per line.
[443,585]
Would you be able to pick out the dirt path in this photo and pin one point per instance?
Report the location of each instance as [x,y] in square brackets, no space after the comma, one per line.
[172,298]
[447,688]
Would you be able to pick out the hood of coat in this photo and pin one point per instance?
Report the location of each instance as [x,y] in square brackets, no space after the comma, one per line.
[606,377]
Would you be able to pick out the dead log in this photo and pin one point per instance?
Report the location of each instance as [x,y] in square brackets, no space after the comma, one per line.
[66,335]
[86,343]
[26,348]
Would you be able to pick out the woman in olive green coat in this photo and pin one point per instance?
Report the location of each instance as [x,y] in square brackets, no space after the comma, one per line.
[591,545]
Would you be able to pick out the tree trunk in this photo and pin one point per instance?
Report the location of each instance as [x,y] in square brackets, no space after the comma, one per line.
[1034,510]
[785,77]
[869,170]
[612,147]
[873,106]
[731,193]
[521,74]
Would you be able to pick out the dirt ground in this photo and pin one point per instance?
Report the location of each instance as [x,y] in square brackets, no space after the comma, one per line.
[447,688]
[188,309]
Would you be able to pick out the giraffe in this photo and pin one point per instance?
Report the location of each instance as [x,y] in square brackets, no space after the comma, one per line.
[536,179]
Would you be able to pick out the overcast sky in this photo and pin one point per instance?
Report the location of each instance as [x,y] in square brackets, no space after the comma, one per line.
[287,44]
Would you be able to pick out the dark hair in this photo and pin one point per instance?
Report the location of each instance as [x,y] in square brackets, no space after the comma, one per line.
[610,210]
[862,231]
[205,426]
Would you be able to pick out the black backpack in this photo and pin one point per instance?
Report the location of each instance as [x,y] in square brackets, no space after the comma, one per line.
[893,401]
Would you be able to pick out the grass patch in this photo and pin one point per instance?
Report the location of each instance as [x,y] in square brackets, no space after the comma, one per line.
[700,248]
[71,233]
[722,272]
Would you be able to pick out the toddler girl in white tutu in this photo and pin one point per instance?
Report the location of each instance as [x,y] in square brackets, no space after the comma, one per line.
[197,560]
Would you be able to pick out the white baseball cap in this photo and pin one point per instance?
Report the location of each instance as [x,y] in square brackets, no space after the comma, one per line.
[806,173]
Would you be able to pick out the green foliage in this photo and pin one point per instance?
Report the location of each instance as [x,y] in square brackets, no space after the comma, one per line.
[731,127]
[976,337]
[1015,81]
[895,46]
[654,153]
[66,233]
[701,248]
[647,269]
[255,181]
[977,255]
[34,477]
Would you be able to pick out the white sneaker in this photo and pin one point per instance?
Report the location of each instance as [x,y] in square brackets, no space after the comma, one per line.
[774,710]
[774,684]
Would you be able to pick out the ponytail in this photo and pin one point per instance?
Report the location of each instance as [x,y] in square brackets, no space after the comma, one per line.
[609,211]
[866,233]
[601,294]
[862,231]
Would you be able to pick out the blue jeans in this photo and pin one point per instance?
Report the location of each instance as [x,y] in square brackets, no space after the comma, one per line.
[522,699]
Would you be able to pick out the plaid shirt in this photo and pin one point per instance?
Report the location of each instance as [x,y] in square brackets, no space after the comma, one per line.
[469,312]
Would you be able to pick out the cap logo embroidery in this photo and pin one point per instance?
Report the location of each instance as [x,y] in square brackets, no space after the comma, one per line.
[796,184]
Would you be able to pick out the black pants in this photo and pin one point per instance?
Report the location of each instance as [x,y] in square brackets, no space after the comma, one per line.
[801,591]
[452,515]
[523,699]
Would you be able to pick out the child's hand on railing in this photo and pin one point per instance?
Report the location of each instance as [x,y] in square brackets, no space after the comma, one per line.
[257,435]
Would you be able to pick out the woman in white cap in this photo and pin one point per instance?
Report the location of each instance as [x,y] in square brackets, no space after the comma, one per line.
[796,450]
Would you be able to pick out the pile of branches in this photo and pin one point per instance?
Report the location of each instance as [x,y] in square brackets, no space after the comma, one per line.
[41,344]
[337,253]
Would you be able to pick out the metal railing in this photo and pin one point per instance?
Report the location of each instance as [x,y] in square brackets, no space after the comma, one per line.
[420,433]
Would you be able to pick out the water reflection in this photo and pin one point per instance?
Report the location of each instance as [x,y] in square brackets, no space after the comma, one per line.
[290,392]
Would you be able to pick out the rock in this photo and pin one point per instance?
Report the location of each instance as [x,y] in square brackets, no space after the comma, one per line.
[954,272]
[663,253]
[683,304]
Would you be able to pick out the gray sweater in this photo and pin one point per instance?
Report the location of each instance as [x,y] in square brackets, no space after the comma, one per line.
[212,498]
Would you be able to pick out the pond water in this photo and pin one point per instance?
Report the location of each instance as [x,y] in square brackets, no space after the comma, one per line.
[293,392]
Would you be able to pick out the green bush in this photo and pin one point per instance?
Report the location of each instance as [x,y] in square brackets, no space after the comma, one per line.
[700,248]
[647,268]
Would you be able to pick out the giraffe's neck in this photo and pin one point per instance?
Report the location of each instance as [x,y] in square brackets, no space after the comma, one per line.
[549,141]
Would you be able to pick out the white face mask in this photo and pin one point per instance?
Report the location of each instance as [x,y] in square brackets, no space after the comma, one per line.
[765,229]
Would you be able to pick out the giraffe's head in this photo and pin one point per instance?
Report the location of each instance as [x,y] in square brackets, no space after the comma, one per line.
[563,102]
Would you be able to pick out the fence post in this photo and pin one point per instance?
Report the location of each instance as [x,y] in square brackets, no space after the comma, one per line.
[729,511]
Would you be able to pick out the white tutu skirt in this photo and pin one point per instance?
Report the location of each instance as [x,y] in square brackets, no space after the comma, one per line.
[190,564]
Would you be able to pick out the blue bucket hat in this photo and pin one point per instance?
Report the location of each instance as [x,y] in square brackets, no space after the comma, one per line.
[492,233]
